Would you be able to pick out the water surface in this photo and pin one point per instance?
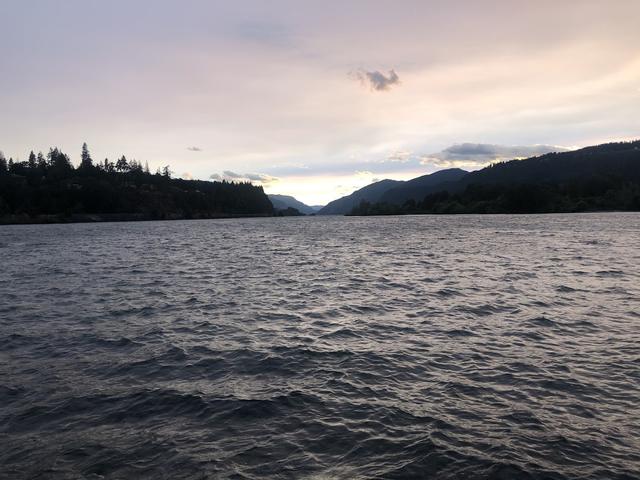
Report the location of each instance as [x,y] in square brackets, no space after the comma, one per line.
[378,347]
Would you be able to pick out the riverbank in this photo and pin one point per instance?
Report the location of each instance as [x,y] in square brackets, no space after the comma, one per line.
[113,217]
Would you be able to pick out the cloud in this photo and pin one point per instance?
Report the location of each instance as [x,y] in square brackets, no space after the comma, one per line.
[477,155]
[258,178]
[377,80]
[262,178]
[194,149]
[400,156]
[232,175]
[187,176]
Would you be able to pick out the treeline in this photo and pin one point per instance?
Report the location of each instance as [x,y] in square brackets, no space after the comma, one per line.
[600,178]
[49,188]
[588,196]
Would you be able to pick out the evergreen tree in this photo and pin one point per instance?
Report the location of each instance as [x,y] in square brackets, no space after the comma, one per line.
[135,167]
[42,162]
[4,168]
[108,166]
[166,172]
[122,165]
[59,161]
[33,163]
[85,160]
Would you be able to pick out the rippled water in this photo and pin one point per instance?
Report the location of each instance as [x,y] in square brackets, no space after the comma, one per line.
[397,347]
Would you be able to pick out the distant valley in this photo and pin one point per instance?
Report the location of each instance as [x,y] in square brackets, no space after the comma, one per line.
[287,203]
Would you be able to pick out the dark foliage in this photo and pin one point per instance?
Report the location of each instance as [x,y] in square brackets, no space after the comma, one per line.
[289,212]
[601,178]
[51,189]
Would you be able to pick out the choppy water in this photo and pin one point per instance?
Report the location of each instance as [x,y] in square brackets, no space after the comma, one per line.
[398,347]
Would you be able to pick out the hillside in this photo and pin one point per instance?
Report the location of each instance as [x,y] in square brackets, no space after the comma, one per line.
[51,189]
[370,193]
[418,187]
[603,177]
[283,202]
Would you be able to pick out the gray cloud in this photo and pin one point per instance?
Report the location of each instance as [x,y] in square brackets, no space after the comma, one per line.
[480,154]
[377,80]
[230,176]
[194,149]
[399,156]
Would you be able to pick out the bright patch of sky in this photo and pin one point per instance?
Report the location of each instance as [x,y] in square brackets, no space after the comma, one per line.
[315,99]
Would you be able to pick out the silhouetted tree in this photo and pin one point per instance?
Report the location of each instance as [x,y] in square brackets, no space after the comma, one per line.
[135,166]
[122,165]
[166,172]
[59,162]
[108,166]
[33,163]
[86,163]
[42,162]
[4,167]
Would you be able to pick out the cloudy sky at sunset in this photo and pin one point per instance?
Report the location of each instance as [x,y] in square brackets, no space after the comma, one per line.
[317,98]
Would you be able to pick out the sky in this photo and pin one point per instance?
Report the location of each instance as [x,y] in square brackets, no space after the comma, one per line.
[317,98]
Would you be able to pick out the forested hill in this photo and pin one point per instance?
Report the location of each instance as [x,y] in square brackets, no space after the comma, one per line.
[600,178]
[370,193]
[50,189]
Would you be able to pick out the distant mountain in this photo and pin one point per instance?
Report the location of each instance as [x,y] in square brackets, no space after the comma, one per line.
[608,160]
[418,187]
[370,193]
[283,202]
[604,177]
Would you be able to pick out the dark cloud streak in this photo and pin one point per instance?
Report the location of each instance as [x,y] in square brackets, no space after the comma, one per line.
[480,154]
[377,80]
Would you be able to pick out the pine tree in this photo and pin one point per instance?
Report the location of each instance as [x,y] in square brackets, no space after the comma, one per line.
[33,164]
[108,166]
[42,162]
[85,162]
[3,164]
[122,165]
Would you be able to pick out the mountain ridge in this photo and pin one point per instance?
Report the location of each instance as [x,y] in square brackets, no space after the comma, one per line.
[283,202]
[595,178]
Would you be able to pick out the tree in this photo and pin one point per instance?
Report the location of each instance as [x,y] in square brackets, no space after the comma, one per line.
[108,166]
[134,166]
[42,162]
[166,172]
[33,163]
[122,165]
[85,160]
[59,161]
[4,168]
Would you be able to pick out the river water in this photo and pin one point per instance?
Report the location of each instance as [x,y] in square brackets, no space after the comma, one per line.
[322,347]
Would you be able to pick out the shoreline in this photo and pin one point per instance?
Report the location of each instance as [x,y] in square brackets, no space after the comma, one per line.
[115,217]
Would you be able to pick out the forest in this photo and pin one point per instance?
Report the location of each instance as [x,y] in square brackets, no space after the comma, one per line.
[600,178]
[49,188]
